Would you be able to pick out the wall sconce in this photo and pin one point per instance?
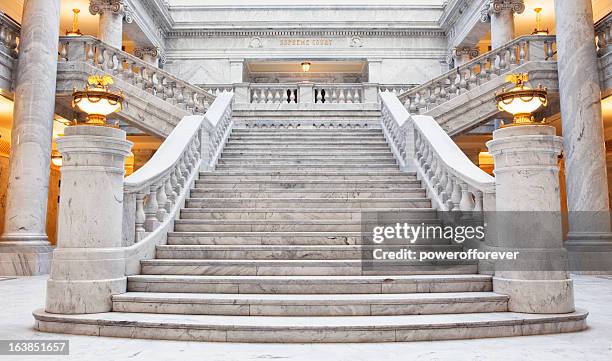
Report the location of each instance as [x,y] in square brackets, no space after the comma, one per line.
[305,66]
[538,30]
[96,100]
[521,101]
[75,24]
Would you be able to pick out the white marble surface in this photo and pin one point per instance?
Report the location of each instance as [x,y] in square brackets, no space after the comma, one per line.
[24,295]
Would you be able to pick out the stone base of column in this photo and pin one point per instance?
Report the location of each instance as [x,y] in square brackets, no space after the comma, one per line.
[84,280]
[537,296]
[25,255]
[590,253]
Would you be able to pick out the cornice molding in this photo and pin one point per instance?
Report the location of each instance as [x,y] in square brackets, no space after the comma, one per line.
[303,7]
[305,32]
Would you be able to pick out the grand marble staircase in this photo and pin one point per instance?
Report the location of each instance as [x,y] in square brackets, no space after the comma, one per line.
[268,249]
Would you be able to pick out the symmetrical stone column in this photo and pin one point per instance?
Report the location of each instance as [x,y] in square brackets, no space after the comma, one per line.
[589,240]
[149,54]
[89,264]
[528,220]
[24,248]
[112,13]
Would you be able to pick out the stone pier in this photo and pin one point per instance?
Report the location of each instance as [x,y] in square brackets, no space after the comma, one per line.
[24,247]
[528,198]
[89,264]
[589,240]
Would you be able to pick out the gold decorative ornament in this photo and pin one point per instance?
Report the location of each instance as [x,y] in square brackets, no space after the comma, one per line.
[538,30]
[306,66]
[521,101]
[97,101]
[75,24]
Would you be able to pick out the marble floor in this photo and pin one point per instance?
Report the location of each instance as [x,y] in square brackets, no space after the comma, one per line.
[20,296]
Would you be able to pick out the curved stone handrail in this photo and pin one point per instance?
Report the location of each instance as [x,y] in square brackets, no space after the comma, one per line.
[478,71]
[418,142]
[155,193]
[603,34]
[136,71]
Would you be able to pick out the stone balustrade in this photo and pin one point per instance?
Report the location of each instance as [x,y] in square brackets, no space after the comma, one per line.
[154,194]
[136,72]
[273,93]
[603,34]
[339,93]
[9,39]
[479,71]
[217,89]
[9,34]
[397,89]
[419,143]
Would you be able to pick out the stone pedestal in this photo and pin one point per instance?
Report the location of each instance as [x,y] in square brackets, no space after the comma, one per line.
[306,93]
[24,248]
[528,220]
[89,264]
[589,238]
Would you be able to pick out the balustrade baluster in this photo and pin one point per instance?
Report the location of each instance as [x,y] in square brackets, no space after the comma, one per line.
[292,97]
[413,105]
[349,96]
[162,199]
[190,102]
[478,206]
[170,193]
[502,60]
[254,96]
[334,96]
[467,202]
[262,96]
[549,51]
[341,98]
[269,97]
[159,86]
[140,216]
[442,95]
[463,85]
[356,96]
[285,96]
[513,51]
[151,222]
[483,76]
[277,96]
[522,52]
[319,97]
[456,195]
[90,54]
[453,84]
[63,55]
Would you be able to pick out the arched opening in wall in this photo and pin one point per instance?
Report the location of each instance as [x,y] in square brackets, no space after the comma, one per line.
[292,71]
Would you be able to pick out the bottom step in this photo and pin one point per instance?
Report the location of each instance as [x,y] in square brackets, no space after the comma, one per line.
[310,329]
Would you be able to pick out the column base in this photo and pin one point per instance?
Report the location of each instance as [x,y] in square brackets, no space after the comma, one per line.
[83,296]
[590,253]
[537,296]
[25,255]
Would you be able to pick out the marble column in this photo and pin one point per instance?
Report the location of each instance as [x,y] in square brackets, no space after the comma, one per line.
[24,247]
[589,238]
[112,13]
[88,262]
[528,220]
[149,54]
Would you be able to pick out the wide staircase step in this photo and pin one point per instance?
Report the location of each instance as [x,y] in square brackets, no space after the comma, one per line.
[269,248]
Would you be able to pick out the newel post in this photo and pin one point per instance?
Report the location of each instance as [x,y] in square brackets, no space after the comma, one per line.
[89,266]
[528,220]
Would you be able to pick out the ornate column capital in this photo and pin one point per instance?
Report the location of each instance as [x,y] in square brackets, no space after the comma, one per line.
[470,51]
[115,6]
[497,6]
[151,51]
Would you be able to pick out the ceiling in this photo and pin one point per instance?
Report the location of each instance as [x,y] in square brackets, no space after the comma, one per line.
[306,2]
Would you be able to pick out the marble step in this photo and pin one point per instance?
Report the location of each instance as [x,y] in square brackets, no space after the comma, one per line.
[311,284]
[307,142]
[307,137]
[340,329]
[307,167]
[361,203]
[408,182]
[407,214]
[311,329]
[281,238]
[301,159]
[220,267]
[309,304]
[238,132]
[309,152]
[277,252]
[308,193]
[237,225]
[309,149]
[289,177]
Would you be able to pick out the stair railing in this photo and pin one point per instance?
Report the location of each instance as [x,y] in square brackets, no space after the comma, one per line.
[135,71]
[418,143]
[155,193]
[478,71]
[603,34]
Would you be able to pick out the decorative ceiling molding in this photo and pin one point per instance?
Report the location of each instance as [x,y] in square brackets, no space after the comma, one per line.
[305,32]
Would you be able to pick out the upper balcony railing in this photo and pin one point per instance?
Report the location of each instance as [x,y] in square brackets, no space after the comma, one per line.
[9,34]
[135,71]
[478,71]
[603,34]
